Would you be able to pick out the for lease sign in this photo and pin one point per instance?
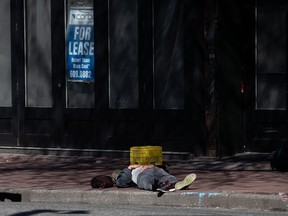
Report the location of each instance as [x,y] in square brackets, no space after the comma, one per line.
[80,44]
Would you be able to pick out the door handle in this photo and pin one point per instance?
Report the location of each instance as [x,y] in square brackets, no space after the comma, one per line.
[59,85]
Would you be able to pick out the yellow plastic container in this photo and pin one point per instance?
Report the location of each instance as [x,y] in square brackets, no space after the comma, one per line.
[146,155]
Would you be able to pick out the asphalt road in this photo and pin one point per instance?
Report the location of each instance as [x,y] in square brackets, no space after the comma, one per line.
[49,209]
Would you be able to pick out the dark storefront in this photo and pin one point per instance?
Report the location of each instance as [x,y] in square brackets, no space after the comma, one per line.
[203,77]
[252,54]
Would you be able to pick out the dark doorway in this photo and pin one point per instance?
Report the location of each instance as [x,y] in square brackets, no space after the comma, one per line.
[270,74]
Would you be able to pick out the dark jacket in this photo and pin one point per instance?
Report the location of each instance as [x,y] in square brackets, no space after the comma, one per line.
[125,179]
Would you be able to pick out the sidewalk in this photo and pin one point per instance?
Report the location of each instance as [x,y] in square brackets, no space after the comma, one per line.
[242,181]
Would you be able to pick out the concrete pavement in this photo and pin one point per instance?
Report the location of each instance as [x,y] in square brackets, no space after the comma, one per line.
[242,181]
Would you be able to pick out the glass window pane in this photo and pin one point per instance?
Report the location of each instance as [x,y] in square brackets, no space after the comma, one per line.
[80,95]
[80,54]
[5,54]
[38,54]
[271,42]
[271,60]
[271,92]
[123,76]
[168,56]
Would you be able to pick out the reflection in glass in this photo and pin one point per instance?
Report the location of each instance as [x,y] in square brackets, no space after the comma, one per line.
[168,56]
[123,73]
[38,54]
[5,55]
[271,44]
[271,60]
[271,92]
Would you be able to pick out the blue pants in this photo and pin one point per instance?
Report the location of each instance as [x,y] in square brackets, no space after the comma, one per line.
[150,178]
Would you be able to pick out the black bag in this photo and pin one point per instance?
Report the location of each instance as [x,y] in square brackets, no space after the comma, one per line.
[101,181]
[279,159]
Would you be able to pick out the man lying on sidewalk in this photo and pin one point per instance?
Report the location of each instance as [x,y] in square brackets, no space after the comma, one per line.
[153,178]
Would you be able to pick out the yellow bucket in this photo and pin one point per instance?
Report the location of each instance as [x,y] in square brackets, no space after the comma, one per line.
[146,155]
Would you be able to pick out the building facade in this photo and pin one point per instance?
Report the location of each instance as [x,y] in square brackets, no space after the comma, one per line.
[203,77]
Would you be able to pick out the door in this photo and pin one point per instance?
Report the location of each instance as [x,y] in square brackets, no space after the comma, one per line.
[36,84]
[57,107]
[8,96]
[80,106]
[155,70]
[271,74]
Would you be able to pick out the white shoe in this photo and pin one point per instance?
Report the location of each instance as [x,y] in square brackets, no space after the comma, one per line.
[188,180]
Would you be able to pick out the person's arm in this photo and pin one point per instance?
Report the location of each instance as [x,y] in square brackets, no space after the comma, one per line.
[125,178]
[143,167]
[133,166]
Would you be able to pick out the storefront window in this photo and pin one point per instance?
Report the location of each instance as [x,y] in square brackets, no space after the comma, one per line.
[168,54]
[38,53]
[123,54]
[5,55]
[271,59]
[80,54]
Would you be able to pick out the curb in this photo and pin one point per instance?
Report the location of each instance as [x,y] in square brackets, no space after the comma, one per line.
[226,200]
